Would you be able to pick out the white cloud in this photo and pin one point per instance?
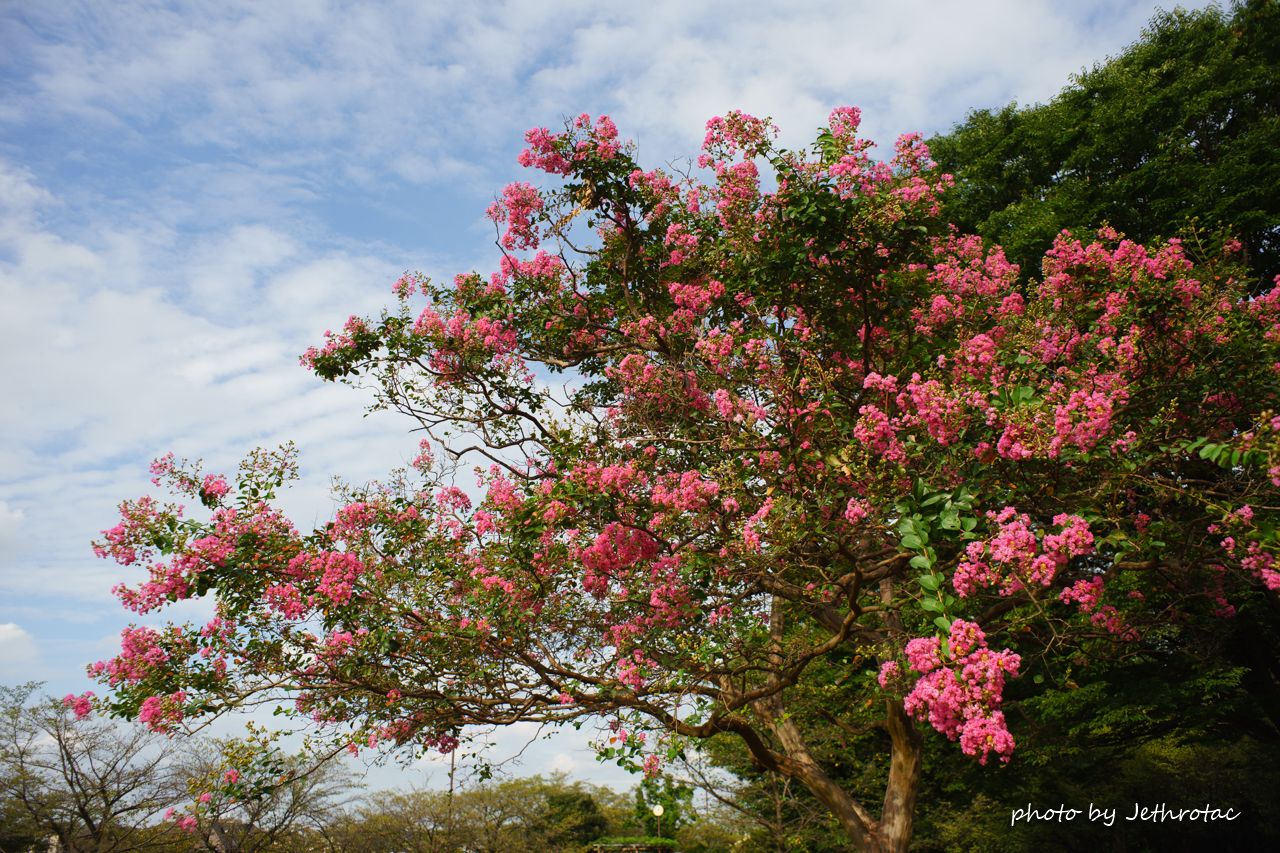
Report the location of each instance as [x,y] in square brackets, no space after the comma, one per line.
[19,656]
[19,194]
[419,84]
[194,349]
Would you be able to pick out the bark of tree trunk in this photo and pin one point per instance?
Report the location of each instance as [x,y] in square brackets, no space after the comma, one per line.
[899,810]
[890,834]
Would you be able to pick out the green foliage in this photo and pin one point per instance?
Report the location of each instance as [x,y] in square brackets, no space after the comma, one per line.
[971,813]
[572,818]
[675,800]
[634,840]
[1178,132]
[546,813]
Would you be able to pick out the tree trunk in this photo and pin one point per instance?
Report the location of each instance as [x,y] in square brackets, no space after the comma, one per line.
[890,834]
[894,828]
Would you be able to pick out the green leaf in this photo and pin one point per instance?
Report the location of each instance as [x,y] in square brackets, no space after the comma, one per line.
[929,582]
[931,604]
[911,541]
[943,622]
[921,561]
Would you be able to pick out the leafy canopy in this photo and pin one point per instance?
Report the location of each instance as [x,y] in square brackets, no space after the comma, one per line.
[1177,134]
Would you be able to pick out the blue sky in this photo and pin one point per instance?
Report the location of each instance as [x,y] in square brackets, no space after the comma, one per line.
[191,193]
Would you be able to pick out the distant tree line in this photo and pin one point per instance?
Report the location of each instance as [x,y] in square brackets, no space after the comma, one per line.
[102,786]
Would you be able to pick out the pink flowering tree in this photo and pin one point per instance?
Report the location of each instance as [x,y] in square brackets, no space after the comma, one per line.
[758,449]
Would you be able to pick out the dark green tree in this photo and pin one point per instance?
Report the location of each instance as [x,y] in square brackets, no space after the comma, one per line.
[1176,135]
[675,801]
[572,818]
[18,831]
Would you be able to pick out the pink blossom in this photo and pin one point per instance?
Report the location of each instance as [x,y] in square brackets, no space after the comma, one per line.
[889,670]
[856,510]
[1015,557]
[960,693]
[81,705]
[161,713]
[215,486]
[520,202]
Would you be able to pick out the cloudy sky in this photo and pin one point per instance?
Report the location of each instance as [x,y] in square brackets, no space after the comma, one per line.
[191,193]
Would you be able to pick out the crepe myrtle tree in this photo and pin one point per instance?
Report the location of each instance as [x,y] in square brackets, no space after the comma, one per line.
[761,447]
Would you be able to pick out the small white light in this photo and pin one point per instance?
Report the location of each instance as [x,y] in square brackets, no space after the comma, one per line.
[657,810]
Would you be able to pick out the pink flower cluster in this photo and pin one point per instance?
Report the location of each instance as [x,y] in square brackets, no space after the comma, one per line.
[856,510]
[969,283]
[617,547]
[931,405]
[81,705]
[751,529]
[186,822]
[961,689]
[336,573]
[685,492]
[544,268]
[697,297]
[520,202]
[543,152]
[130,540]
[215,486]
[1263,564]
[1015,557]
[162,713]
[547,150]
[735,132]
[738,188]
[843,122]
[1087,595]
[1085,419]
[140,655]
[879,433]
[631,670]
[335,342]
[173,581]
